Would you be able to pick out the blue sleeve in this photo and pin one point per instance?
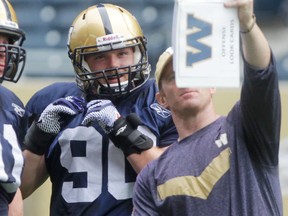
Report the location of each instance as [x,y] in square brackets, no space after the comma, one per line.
[261,112]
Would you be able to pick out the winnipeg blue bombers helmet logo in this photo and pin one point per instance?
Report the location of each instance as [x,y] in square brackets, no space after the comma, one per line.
[165,113]
[203,51]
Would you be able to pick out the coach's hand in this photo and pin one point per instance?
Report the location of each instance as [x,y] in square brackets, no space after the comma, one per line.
[54,117]
[122,131]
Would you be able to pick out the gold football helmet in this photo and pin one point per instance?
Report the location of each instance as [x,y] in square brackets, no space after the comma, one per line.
[15,55]
[102,28]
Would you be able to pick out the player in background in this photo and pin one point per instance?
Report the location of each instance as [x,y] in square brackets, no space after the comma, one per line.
[86,139]
[12,112]
[220,165]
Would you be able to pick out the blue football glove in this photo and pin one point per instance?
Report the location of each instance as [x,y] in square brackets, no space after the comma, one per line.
[122,131]
[54,117]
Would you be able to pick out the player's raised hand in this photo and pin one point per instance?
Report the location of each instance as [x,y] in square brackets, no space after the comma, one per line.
[54,117]
[122,131]
[102,111]
[126,136]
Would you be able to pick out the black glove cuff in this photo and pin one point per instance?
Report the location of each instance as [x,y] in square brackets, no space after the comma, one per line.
[36,140]
[126,137]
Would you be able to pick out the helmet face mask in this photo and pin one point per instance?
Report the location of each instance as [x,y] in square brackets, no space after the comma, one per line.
[13,53]
[15,58]
[124,32]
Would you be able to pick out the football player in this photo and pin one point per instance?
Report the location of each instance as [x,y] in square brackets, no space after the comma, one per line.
[12,113]
[96,134]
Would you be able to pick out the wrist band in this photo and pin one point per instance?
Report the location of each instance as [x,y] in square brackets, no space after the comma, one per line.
[251,27]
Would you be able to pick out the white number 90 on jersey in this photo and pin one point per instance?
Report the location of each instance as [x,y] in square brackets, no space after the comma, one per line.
[205,39]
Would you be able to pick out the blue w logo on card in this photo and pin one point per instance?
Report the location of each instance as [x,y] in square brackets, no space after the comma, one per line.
[197,29]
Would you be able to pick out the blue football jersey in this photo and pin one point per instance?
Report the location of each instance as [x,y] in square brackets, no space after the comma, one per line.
[13,125]
[89,175]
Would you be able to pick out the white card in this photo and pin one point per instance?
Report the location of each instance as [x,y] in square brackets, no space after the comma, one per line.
[205,39]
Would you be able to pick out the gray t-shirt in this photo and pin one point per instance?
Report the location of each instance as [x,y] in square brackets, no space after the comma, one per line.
[230,167]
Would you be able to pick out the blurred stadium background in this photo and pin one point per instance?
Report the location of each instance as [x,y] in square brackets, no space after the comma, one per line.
[46,23]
